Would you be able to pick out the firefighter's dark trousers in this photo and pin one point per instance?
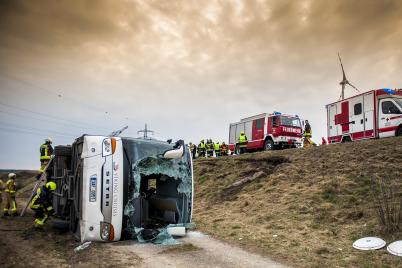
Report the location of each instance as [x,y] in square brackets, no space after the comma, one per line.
[10,206]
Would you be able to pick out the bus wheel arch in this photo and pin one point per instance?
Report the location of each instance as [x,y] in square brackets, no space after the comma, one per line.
[398,131]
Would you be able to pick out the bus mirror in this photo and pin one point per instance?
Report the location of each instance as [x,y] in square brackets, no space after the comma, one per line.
[176,152]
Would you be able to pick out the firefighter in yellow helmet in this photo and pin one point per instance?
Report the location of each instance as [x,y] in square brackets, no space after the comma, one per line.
[46,151]
[242,142]
[42,203]
[10,207]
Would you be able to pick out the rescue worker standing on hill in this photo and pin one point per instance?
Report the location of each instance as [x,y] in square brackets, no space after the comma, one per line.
[42,203]
[10,192]
[46,151]
[201,149]
[307,134]
[193,149]
[224,149]
[242,142]
[210,148]
[217,149]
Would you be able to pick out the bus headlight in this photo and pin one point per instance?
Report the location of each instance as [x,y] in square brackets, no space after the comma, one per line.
[106,231]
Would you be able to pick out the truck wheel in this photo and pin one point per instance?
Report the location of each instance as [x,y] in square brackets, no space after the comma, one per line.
[62,150]
[268,145]
[346,139]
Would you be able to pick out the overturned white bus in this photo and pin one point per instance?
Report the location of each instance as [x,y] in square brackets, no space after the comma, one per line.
[108,186]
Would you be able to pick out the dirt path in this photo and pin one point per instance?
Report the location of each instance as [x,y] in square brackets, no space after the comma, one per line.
[195,250]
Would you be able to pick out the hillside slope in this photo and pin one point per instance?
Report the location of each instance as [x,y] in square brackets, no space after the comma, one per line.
[304,207]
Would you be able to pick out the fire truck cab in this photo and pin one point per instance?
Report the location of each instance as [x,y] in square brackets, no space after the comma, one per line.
[267,132]
[373,114]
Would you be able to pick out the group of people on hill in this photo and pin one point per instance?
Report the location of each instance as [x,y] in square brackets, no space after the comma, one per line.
[208,148]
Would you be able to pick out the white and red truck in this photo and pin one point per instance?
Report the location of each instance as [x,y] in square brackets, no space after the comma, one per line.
[267,131]
[373,114]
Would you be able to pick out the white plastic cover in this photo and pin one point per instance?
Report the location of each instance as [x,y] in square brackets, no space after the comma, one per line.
[395,248]
[369,243]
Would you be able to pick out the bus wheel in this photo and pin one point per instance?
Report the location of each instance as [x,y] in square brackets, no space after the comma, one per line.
[346,139]
[268,145]
[399,132]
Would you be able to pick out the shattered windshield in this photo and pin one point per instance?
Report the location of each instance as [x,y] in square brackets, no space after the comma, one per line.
[290,121]
[399,102]
[147,161]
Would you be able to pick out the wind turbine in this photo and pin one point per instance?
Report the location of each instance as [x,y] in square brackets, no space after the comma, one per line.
[344,81]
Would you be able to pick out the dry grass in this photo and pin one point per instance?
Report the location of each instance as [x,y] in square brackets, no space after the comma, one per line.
[307,208]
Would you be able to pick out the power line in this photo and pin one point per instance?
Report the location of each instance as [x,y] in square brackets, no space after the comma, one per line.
[56,94]
[45,115]
[52,121]
[36,129]
[13,130]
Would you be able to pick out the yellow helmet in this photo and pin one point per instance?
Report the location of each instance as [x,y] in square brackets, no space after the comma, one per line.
[11,175]
[51,186]
[242,133]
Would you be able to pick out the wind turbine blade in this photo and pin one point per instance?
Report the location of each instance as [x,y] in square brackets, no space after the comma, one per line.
[353,86]
[343,71]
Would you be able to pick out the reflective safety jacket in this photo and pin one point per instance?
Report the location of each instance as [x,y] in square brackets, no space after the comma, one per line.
[11,187]
[201,146]
[243,140]
[46,150]
[217,147]
[43,198]
[307,133]
[209,146]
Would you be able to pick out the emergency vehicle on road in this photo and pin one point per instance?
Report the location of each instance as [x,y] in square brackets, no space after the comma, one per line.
[373,114]
[267,131]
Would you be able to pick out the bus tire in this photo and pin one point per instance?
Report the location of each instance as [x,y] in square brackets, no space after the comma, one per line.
[346,139]
[268,145]
[399,131]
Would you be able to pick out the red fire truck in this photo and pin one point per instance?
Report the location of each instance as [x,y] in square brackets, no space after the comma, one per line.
[373,114]
[267,132]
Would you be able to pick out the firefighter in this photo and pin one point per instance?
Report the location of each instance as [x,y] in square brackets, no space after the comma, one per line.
[217,147]
[193,149]
[242,142]
[308,134]
[224,149]
[46,151]
[307,130]
[10,191]
[201,149]
[42,203]
[210,148]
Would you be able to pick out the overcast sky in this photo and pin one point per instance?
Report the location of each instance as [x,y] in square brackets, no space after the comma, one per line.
[187,68]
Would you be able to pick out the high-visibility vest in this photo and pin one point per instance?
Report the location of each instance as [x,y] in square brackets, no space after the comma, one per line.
[308,133]
[201,145]
[242,139]
[44,152]
[10,187]
[217,147]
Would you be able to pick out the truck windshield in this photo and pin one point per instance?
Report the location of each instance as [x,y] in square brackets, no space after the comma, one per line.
[290,121]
